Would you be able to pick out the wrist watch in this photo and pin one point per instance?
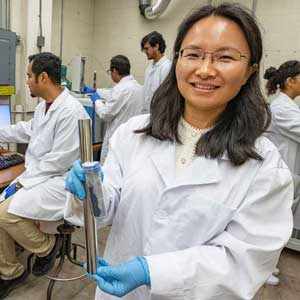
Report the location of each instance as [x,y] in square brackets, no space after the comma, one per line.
[18,185]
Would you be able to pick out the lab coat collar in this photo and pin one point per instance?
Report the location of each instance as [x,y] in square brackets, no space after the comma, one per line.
[126,78]
[63,95]
[200,171]
[161,61]
[286,98]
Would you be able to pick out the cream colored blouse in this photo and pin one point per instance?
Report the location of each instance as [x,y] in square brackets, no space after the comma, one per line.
[189,136]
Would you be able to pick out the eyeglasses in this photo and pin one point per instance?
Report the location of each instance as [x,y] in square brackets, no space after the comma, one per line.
[108,71]
[223,56]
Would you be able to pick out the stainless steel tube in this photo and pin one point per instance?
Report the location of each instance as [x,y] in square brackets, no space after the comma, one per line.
[86,154]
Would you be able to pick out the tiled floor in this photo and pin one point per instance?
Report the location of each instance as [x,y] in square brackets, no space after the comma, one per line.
[84,289]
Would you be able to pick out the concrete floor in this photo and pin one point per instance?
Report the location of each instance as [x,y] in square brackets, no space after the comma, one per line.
[36,288]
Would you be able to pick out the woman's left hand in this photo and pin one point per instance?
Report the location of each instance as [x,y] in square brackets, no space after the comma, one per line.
[121,279]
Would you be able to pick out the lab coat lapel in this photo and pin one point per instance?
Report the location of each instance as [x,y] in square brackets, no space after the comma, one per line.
[200,171]
[164,161]
[54,106]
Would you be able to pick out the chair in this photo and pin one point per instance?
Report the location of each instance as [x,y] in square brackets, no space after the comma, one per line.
[69,250]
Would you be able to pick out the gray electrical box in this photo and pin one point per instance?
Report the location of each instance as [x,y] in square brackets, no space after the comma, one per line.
[7,62]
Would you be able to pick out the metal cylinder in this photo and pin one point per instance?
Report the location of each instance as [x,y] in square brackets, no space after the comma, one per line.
[86,154]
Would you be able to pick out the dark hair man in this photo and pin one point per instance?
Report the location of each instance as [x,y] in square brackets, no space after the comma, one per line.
[153,44]
[38,193]
[120,103]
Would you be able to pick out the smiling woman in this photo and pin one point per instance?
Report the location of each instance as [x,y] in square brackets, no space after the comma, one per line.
[214,82]
[199,200]
[208,83]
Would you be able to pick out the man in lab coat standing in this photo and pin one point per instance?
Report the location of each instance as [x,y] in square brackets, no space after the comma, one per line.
[153,45]
[119,104]
[38,193]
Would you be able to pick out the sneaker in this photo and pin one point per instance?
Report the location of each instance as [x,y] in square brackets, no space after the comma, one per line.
[276,272]
[43,265]
[272,280]
[6,286]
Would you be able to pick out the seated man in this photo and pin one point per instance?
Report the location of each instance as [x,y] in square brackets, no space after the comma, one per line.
[39,193]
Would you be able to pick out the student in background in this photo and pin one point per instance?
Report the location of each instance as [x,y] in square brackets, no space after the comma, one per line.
[119,104]
[284,84]
[154,45]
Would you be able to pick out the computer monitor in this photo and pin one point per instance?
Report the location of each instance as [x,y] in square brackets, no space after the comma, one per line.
[5,118]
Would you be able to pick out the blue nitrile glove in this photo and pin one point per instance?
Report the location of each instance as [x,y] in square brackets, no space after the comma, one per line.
[95,96]
[88,90]
[10,190]
[76,178]
[121,279]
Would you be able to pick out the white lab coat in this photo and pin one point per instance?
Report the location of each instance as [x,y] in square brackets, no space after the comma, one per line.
[210,231]
[118,105]
[284,132]
[155,74]
[53,146]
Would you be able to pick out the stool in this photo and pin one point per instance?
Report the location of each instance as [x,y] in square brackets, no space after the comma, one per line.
[68,250]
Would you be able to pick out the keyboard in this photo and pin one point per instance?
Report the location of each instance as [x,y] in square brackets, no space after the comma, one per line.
[10,161]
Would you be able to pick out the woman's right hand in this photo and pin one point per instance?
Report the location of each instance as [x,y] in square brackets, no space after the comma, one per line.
[75,179]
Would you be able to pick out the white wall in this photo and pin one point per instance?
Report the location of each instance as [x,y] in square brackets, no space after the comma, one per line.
[78,20]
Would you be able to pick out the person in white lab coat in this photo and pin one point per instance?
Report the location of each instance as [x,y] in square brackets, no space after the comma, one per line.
[199,200]
[119,104]
[154,45]
[284,132]
[38,193]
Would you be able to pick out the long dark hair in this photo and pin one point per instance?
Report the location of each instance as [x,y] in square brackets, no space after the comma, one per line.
[276,78]
[246,116]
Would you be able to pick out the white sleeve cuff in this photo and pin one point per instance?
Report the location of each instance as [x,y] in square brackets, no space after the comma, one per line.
[165,276]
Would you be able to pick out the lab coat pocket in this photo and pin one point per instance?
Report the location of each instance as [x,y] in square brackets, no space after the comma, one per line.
[199,219]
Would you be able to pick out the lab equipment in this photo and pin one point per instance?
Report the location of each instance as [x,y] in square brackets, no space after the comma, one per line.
[95,96]
[86,154]
[5,118]
[95,80]
[10,161]
[98,125]
[92,172]
[121,279]
[75,179]
[64,81]
[78,71]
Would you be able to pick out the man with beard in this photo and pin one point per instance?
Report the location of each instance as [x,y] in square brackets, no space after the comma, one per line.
[154,45]
[38,193]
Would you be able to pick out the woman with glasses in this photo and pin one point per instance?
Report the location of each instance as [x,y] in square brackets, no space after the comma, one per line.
[196,196]
[284,84]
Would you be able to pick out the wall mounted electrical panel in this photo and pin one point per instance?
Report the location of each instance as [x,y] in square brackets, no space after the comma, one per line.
[8,41]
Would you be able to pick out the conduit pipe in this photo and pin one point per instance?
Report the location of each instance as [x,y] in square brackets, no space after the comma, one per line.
[153,11]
